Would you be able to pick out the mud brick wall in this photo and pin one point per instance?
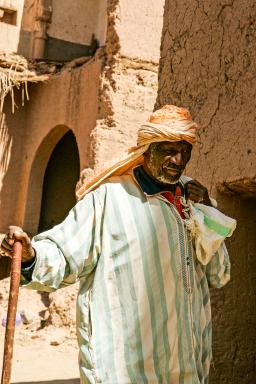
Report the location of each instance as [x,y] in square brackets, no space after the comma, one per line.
[208,65]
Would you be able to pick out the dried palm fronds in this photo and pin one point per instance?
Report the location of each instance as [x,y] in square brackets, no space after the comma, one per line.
[15,72]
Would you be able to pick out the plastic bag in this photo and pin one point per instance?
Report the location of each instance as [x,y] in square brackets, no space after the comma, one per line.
[209,228]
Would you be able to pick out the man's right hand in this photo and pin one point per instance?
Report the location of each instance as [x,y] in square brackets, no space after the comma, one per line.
[17,233]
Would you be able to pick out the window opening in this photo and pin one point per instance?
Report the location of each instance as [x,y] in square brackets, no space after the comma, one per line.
[8,15]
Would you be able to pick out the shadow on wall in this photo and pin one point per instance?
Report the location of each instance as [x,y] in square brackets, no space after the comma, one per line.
[233,307]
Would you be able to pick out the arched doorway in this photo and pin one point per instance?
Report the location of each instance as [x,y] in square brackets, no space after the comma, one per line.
[60,178]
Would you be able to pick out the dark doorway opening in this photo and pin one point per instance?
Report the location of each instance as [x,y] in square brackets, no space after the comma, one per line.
[61,176]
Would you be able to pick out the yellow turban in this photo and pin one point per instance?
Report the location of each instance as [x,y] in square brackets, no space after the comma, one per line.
[169,123]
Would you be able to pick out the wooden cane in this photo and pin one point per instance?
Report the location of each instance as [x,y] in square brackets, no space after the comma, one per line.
[11,314]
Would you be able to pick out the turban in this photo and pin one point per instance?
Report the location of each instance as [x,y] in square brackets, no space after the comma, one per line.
[169,123]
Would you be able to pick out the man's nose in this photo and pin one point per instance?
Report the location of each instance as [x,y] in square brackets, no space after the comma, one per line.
[177,158]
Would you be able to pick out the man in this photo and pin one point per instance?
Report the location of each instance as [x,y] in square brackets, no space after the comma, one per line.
[143,308]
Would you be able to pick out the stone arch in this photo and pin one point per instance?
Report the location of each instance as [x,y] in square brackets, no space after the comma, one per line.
[36,187]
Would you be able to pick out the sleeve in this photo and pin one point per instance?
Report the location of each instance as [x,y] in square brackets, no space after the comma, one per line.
[27,269]
[70,250]
[218,269]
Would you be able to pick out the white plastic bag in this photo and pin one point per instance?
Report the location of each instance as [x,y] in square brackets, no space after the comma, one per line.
[209,228]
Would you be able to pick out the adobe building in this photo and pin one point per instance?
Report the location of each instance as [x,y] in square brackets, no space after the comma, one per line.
[102,61]
[208,64]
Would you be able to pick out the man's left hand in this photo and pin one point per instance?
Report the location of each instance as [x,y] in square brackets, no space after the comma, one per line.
[196,192]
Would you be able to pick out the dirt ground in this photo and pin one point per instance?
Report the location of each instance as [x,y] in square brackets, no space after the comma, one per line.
[45,347]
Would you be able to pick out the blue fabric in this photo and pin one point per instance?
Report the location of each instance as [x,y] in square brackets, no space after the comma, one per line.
[27,268]
[150,186]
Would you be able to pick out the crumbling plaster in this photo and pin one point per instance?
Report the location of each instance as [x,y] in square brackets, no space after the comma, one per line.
[128,85]
[208,64]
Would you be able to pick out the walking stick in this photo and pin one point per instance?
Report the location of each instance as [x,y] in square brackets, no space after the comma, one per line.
[11,314]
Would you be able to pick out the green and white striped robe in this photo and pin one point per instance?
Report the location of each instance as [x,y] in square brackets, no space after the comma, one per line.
[143,308]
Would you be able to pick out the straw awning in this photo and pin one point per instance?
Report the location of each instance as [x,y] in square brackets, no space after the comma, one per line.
[16,72]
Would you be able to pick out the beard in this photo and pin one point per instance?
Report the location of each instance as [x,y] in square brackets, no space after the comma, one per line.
[164,173]
[167,179]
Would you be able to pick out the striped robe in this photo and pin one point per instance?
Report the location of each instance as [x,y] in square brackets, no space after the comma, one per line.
[143,307]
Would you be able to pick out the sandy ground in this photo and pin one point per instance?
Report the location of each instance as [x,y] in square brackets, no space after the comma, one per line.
[45,349]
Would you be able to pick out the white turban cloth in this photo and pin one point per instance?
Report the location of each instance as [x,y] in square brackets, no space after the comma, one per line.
[169,123]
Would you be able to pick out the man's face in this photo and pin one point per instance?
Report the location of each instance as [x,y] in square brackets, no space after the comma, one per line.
[166,161]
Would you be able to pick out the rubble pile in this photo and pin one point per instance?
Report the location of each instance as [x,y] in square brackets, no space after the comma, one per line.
[50,317]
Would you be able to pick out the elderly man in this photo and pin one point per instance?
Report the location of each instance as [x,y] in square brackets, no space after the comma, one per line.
[143,307]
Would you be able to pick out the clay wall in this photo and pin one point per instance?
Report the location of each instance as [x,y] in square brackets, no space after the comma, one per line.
[139,28]
[207,64]
[77,22]
[102,104]
[74,28]
[128,87]
[28,17]
[67,27]
[11,12]
[67,101]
